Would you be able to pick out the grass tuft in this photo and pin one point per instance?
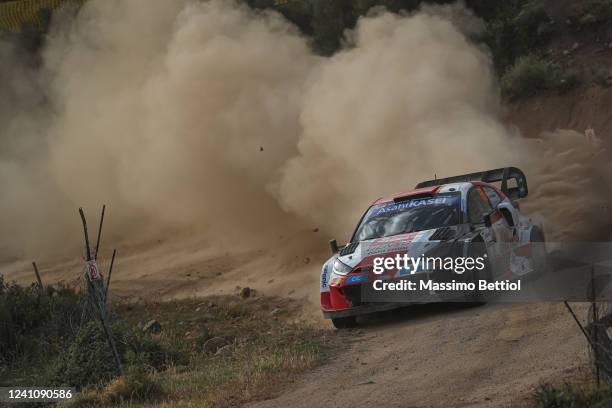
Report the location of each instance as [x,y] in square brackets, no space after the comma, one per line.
[571,396]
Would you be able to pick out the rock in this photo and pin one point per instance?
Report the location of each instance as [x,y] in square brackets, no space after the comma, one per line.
[214,344]
[245,292]
[307,260]
[315,230]
[198,309]
[275,312]
[152,326]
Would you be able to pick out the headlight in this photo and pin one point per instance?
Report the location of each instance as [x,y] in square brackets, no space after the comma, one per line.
[340,268]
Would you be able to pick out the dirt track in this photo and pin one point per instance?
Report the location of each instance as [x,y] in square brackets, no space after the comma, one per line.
[428,356]
[447,356]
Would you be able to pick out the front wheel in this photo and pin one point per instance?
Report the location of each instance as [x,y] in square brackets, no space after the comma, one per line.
[344,322]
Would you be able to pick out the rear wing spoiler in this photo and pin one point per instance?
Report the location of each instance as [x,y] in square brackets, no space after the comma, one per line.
[490,176]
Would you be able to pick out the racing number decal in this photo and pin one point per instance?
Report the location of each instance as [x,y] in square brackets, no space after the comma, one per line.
[325,278]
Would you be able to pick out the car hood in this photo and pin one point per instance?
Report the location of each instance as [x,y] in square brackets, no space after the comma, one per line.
[414,244]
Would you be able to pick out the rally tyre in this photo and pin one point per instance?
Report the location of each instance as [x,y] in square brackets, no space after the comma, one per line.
[539,255]
[344,322]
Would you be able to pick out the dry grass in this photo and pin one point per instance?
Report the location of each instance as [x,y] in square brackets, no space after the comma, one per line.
[265,351]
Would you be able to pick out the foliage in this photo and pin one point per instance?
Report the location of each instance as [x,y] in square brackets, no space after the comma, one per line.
[46,337]
[32,322]
[569,396]
[514,29]
[89,359]
[533,74]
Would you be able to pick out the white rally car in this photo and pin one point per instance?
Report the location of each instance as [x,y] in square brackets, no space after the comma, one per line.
[468,211]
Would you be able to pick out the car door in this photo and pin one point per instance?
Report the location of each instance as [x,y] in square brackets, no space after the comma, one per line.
[502,221]
[480,206]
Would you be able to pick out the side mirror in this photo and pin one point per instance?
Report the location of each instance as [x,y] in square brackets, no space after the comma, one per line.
[333,245]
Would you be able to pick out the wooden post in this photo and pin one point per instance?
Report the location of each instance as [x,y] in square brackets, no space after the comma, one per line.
[99,232]
[87,248]
[586,335]
[110,272]
[40,285]
[595,328]
[101,309]
[96,290]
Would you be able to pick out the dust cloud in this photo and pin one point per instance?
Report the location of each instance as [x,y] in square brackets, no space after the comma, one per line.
[568,188]
[215,118]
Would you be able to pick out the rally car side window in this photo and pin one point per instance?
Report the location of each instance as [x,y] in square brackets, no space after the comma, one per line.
[478,206]
[494,198]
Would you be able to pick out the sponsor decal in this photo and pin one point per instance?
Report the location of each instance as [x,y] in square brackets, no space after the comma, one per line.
[384,247]
[393,207]
[324,276]
[357,278]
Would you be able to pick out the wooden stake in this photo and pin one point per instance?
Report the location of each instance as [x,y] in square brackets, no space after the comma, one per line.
[595,328]
[40,285]
[99,232]
[108,278]
[87,248]
[101,309]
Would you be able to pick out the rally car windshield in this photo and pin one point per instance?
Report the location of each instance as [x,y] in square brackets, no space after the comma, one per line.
[420,214]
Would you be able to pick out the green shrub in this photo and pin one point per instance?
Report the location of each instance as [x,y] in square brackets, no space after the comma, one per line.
[31,321]
[569,396]
[50,337]
[514,28]
[532,74]
[89,358]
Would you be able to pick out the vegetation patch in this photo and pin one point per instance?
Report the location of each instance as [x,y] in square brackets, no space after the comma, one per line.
[213,352]
[533,74]
[571,396]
